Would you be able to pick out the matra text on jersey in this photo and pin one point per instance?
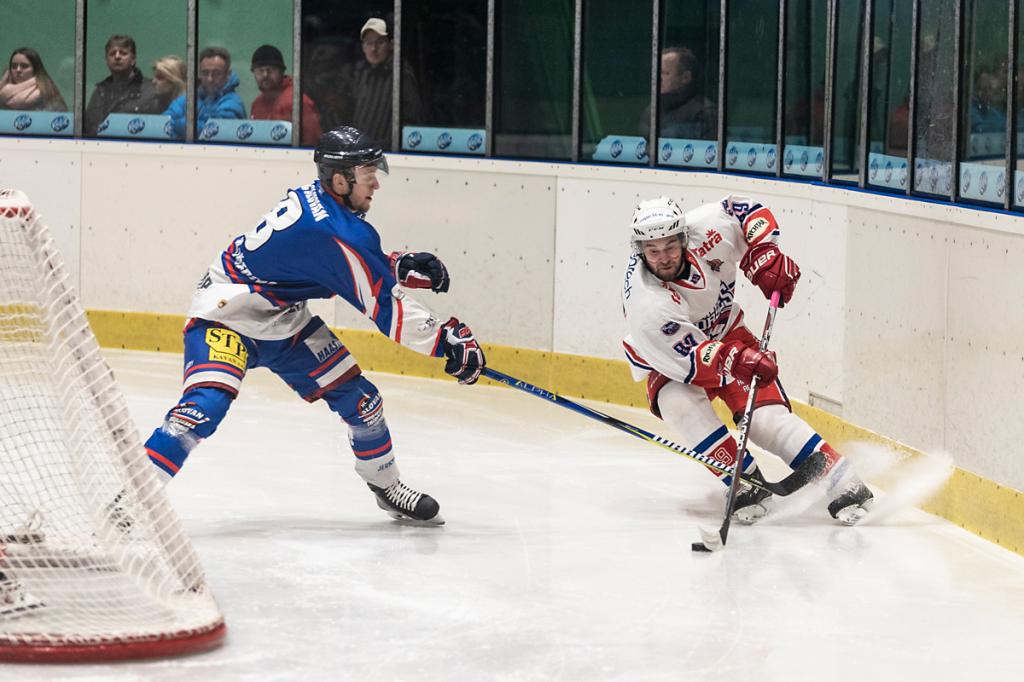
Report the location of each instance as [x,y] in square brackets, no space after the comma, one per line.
[705,246]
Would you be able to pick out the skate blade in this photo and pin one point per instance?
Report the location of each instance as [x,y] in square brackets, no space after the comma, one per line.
[409,521]
[437,520]
[852,515]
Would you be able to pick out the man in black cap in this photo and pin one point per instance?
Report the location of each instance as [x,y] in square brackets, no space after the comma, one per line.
[274,102]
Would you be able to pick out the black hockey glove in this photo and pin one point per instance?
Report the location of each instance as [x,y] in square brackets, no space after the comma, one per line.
[465,358]
[420,271]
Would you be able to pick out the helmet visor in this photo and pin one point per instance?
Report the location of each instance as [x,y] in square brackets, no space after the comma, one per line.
[380,163]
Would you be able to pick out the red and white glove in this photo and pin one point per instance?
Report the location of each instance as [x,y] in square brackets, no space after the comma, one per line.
[771,270]
[419,271]
[465,357]
[744,363]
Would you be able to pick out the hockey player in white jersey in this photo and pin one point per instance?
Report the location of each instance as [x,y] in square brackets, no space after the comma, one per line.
[687,340]
[250,310]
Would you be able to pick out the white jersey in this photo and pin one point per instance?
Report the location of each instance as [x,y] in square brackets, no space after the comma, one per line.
[674,327]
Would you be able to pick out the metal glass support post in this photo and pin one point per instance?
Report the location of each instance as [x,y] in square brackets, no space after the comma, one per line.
[723,53]
[577,79]
[396,80]
[915,39]
[78,105]
[780,94]
[958,85]
[652,132]
[1011,106]
[191,40]
[830,87]
[489,88]
[296,71]
[866,65]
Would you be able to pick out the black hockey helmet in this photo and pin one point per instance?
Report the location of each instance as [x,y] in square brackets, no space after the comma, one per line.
[343,149]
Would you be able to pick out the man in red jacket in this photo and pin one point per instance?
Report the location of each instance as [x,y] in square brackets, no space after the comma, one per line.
[275,99]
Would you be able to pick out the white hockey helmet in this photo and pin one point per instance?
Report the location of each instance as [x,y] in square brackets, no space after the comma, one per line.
[657,218]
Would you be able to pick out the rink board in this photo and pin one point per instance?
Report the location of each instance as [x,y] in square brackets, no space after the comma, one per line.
[903,324]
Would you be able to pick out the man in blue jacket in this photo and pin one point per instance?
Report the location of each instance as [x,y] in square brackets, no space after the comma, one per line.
[217,96]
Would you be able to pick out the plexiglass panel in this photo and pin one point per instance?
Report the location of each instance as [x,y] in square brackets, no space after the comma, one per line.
[983,110]
[751,83]
[533,78]
[135,68]
[444,45]
[889,94]
[616,73]
[804,117]
[37,42]
[688,84]
[934,117]
[244,90]
[846,94]
[347,64]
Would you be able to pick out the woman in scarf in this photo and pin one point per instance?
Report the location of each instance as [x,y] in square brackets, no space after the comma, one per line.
[26,85]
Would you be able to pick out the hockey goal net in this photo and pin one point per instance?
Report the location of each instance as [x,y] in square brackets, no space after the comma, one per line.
[94,564]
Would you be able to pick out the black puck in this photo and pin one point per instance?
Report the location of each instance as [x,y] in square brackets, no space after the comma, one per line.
[699,547]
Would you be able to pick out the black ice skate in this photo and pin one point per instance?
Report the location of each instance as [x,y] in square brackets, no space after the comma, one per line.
[403,503]
[751,503]
[852,504]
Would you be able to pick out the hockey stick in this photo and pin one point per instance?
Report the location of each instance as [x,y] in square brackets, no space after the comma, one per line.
[713,542]
[801,476]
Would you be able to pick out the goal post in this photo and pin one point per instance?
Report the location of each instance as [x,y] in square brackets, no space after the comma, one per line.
[94,563]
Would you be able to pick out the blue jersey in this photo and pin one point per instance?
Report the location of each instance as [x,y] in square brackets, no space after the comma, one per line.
[309,246]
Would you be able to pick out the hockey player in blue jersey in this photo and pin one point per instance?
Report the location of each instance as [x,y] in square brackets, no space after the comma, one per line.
[250,310]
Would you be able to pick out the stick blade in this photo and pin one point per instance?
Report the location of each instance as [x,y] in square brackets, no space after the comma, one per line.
[711,541]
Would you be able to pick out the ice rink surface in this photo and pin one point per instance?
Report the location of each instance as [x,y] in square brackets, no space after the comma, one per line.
[566,556]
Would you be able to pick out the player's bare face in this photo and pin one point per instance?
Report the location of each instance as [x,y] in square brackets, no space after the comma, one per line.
[367,183]
[664,257]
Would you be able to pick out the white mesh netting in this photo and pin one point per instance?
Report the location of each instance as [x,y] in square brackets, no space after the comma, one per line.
[93,561]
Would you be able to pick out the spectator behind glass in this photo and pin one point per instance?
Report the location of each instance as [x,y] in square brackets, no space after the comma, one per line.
[25,84]
[274,102]
[217,96]
[683,111]
[169,76]
[988,105]
[124,90]
[370,84]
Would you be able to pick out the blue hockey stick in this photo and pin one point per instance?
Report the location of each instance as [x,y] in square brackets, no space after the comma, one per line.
[811,468]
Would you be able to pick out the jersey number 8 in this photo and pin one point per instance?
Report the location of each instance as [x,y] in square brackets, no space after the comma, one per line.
[283,216]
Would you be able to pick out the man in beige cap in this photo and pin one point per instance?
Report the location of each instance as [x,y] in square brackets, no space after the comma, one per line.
[371,84]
